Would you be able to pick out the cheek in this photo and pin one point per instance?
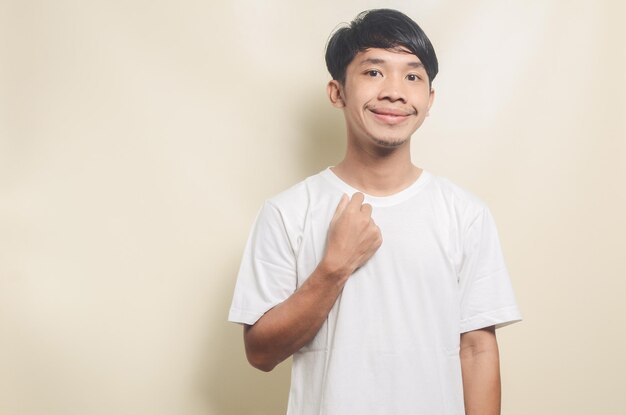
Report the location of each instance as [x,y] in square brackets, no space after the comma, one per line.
[360,92]
[423,104]
[356,104]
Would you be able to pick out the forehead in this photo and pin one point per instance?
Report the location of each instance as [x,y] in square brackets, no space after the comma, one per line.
[399,56]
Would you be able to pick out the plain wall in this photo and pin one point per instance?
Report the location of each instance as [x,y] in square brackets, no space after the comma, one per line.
[139,138]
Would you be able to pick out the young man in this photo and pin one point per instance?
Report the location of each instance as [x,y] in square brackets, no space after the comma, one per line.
[382,280]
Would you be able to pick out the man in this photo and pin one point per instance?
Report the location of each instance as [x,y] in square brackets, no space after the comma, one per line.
[382,280]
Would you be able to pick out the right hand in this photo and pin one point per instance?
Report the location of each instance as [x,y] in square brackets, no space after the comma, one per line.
[353,237]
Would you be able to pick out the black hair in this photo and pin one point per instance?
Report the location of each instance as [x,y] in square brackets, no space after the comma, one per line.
[378,28]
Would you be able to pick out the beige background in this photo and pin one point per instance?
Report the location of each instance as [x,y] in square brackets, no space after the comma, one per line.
[139,138]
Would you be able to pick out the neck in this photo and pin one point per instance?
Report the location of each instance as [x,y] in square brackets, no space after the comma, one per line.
[378,172]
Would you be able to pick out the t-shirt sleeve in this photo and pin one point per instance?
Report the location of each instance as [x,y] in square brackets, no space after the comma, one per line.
[267,274]
[487,297]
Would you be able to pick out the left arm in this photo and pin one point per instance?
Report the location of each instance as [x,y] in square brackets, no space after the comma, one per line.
[480,366]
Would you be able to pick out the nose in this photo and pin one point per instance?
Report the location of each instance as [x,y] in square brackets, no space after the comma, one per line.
[392,90]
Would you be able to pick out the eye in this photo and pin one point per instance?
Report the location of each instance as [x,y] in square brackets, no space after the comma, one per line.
[413,77]
[373,73]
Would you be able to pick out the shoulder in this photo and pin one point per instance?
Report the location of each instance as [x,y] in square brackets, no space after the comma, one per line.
[293,205]
[287,215]
[464,205]
[298,196]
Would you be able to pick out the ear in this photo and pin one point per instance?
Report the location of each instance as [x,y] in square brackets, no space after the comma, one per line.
[431,99]
[335,94]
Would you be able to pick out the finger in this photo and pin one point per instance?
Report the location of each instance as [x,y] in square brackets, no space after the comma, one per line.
[356,201]
[379,235]
[379,240]
[342,205]
[367,209]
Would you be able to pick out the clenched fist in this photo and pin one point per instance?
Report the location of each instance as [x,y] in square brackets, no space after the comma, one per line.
[353,237]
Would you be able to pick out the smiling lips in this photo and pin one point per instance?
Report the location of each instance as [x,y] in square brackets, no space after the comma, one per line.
[391,115]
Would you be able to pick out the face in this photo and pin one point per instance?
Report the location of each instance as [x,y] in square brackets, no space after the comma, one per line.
[385,97]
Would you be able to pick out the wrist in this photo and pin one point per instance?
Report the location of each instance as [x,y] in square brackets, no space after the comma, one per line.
[333,272]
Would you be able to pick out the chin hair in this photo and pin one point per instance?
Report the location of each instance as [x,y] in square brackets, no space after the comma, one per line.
[390,142]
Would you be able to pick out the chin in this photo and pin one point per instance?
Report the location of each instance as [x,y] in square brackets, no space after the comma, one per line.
[390,142]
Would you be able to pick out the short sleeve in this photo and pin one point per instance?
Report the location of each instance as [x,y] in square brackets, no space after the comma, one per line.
[487,297]
[267,274]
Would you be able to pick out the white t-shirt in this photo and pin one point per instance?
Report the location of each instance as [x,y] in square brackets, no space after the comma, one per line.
[390,344]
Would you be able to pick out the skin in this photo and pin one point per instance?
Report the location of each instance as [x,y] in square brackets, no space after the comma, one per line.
[480,366]
[385,99]
[352,240]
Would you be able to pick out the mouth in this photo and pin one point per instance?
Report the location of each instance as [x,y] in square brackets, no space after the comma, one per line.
[391,116]
[391,112]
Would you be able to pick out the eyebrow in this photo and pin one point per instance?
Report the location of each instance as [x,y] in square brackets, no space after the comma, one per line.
[378,61]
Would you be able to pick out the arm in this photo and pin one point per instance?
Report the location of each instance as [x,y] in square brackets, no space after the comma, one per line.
[480,365]
[352,240]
